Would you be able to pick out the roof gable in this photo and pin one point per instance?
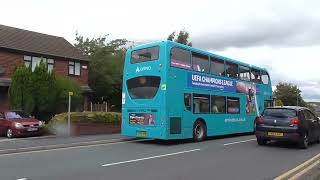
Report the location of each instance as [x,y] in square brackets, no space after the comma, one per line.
[33,42]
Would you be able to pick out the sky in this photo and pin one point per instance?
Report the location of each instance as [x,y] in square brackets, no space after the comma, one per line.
[280,35]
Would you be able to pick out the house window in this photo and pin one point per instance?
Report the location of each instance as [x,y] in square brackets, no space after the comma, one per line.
[74,68]
[33,62]
[50,63]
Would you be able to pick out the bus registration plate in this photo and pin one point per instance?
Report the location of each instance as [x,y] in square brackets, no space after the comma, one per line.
[275,134]
[141,134]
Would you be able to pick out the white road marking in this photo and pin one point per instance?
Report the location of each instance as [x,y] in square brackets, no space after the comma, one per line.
[58,145]
[152,157]
[22,179]
[238,142]
[75,147]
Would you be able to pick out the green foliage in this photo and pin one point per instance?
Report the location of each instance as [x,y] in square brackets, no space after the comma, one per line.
[40,93]
[44,92]
[106,66]
[88,117]
[289,94]
[279,102]
[182,38]
[64,86]
[20,92]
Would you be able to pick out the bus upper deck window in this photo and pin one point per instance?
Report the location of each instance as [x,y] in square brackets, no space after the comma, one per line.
[232,70]
[264,77]
[255,75]
[143,55]
[200,63]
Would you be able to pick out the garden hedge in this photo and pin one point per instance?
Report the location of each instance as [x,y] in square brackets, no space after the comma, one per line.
[88,117]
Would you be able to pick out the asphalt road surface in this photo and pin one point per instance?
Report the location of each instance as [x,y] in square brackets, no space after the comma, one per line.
[236,157]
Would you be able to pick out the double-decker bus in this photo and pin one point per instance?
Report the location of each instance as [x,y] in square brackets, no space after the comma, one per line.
[173,91]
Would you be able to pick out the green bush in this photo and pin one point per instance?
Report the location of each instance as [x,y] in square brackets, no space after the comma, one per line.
[87,117]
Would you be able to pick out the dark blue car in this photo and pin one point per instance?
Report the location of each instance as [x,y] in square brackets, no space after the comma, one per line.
[288,123]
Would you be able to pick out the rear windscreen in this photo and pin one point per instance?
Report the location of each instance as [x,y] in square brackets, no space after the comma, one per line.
[280,113]
[143,87]
[143,55]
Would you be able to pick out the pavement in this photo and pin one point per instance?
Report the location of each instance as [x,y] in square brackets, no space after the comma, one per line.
[230,157]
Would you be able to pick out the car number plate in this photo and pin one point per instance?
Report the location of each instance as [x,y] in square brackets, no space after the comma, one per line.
[141,134]
[275,134]
[32,129]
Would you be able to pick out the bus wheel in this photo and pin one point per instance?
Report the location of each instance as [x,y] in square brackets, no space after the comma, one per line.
[199,131]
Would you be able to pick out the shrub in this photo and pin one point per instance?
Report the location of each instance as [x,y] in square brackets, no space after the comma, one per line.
[87,117]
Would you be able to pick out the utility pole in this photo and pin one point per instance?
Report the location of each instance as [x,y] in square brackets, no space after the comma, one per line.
[69,109]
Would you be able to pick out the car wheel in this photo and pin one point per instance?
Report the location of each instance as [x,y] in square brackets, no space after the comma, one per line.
[199,131]
[262,142]
[9,133]
[304,141]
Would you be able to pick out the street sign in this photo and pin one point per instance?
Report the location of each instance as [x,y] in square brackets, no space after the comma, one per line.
[70,93]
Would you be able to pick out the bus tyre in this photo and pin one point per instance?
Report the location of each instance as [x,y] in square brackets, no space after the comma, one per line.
[199,131]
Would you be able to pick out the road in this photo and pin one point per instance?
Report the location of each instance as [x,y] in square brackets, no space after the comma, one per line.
[235,157]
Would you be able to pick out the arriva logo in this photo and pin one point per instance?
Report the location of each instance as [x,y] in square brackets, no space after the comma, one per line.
[144,68]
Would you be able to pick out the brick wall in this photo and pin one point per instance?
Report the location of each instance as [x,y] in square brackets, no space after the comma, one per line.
[61,67]
[9,61]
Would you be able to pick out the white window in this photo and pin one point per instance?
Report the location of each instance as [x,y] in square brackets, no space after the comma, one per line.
[33,62]
[74,68]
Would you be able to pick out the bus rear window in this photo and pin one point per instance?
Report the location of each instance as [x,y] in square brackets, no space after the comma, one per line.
[143,55]
[143,87]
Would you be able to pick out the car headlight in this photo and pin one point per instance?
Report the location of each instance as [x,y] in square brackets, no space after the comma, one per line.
[18,125]
[41,123]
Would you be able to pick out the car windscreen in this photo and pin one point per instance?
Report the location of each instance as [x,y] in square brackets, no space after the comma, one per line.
[16,115]
[143,55]
[280,113]
[143,87]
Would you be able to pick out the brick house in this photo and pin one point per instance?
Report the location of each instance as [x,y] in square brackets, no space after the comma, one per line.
[20,47]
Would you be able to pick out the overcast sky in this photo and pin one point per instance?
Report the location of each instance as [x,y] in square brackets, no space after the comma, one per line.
[281,35]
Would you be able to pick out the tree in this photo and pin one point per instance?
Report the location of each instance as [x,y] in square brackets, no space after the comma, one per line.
[21,90]
[289,94]
[106,66]
[44,92]
[64,86]
[182,38]
[279,102]
[41,93]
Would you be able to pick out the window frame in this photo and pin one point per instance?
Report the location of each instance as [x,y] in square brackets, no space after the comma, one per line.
[239,101]
[189,107]
[200,55]
[225,67]
[190,58]
[212,97]
[193,103]
[218,60]
[244,66]
[73,63]
[29,59]
[158,54]
[261,71]
[254,80]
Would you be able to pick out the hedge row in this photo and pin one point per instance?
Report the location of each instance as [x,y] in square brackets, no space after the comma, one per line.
[88,117]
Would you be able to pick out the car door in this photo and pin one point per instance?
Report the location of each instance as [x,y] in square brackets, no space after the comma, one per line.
[2,123]
[315,126]
[308,124]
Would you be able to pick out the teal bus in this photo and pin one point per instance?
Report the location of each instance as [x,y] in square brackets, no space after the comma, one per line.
[173,91]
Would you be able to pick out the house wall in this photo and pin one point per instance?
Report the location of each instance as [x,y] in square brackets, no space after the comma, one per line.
[9,61]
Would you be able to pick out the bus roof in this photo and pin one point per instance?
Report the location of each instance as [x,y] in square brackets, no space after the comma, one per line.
[196,50]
